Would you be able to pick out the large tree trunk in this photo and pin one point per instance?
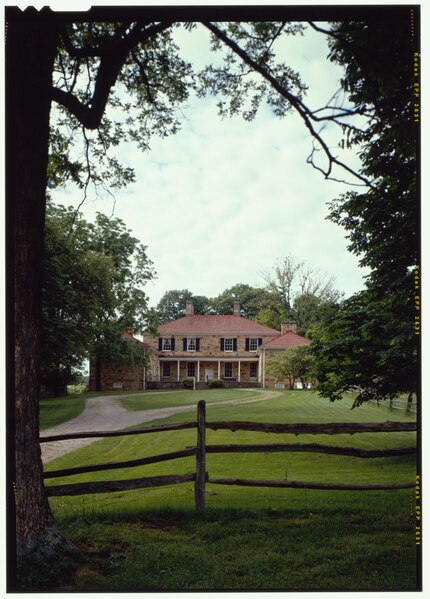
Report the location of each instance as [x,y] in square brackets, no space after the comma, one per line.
[30,51]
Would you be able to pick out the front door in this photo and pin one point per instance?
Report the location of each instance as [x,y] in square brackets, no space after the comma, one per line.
[209,374]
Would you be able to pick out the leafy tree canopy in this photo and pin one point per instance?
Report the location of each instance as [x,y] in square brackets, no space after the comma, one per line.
[251,300]
[362,346]
[370,341]
[292,364]
[95,275]
[172,305]
[298,291]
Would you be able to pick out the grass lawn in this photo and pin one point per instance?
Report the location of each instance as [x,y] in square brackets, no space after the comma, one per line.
[57,410]
[151,400]
[249,538]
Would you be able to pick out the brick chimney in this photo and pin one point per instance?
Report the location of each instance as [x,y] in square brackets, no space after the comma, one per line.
[189,308]
[289,326]
[129,331]
[236,308]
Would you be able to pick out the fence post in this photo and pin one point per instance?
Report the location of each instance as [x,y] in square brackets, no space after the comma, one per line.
[199,487]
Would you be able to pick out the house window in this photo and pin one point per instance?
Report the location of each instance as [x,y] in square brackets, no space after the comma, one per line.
[252,343]
[228,344]
[228,370]
[166,368]
[191,345]
[191,369]
[253,370]
[166,344]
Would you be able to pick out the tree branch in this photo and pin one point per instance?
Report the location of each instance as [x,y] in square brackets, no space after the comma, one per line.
[112,59]
[304,112]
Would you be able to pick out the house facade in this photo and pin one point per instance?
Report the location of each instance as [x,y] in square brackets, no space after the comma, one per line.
[231,348]
[208,347]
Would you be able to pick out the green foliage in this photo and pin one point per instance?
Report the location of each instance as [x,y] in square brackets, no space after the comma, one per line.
[93,290]
[382,221]
[310,293]
[292,364]
[172,305]
[117,82]
[359,345]
[370,342]
[251,299]
[298,291]
[77,389]
[188,382]
[215,383]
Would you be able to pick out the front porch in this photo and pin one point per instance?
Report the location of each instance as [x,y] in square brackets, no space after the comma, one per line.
[201,385]
[234,372]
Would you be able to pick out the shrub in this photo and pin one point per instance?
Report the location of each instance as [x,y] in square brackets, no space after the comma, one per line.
[76,389]
[188,382]
[215,383]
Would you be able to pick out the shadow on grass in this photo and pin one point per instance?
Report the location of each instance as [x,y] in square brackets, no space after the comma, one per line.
[234,549]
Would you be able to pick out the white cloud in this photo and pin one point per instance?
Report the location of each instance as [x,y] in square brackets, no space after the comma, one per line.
[217,203]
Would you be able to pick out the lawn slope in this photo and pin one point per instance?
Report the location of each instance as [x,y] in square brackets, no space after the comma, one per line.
[250,538]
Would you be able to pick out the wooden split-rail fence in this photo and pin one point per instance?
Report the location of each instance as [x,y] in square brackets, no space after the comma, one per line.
[200,476]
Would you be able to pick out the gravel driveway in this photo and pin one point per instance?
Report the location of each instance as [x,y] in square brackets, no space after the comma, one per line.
[105,413]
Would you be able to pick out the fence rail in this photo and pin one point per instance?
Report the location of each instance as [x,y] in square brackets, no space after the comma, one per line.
[200,477]
[396,404]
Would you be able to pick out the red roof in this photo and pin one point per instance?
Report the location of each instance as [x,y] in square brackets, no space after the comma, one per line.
[212,324]
[288,339]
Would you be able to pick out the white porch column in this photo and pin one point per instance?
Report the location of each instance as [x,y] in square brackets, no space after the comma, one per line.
[159,371]
[198,371]
[179,370]
[263,369]
[238,372]
[219,369]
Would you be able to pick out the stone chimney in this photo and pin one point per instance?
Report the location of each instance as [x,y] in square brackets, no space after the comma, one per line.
[189,308]
[236,308]
[289,326]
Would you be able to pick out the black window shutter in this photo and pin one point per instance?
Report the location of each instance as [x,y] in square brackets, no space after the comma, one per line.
[222,344]
[184,344]
[160,344]
[247,344]
[173,344]
[234,344]
[260,341]
[197,344]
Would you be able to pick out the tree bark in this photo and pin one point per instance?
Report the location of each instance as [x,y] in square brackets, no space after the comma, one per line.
[31,46]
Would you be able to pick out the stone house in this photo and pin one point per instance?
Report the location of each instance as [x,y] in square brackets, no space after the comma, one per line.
[287,339]
[108,377]
[231,348]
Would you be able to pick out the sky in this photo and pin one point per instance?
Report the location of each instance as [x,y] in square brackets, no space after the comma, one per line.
[219,202]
